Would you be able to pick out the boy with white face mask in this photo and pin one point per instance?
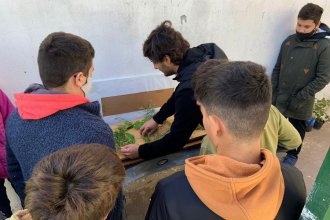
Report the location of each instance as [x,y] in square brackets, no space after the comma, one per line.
[57,114]
[88,85]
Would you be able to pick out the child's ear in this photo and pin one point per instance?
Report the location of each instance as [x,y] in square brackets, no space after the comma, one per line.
[80,79]
[167,60]
[217,125]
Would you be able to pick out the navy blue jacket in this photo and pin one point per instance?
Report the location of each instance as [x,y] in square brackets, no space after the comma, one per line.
[29,140]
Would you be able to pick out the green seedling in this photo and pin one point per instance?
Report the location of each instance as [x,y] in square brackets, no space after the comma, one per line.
[123,138]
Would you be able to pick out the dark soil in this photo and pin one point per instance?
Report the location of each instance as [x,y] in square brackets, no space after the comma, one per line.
[138,193]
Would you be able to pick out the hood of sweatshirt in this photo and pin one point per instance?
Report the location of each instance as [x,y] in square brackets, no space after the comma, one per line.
[322,32]
[197,55]
[235,190]
[37,102]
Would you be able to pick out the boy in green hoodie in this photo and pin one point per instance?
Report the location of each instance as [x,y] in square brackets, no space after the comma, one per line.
[241,181]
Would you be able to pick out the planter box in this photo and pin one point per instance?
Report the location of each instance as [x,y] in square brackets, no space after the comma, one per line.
[133,102]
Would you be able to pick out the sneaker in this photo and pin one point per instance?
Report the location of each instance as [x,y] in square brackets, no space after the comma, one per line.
[290,159]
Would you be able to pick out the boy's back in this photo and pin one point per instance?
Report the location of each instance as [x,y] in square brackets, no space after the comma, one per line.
[167,190]
[57,113]
[30,140]
[241,181]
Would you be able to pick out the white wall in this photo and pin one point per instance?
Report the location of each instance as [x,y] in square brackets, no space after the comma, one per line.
[244,29]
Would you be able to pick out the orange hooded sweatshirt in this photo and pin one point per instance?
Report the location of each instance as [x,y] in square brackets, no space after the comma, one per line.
[235,190]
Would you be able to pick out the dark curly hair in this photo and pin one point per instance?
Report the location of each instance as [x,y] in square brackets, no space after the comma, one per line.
[165,40]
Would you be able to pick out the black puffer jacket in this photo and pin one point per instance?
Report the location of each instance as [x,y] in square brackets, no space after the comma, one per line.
[181,104]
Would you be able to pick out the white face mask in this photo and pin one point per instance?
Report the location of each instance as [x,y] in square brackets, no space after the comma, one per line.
[87,86]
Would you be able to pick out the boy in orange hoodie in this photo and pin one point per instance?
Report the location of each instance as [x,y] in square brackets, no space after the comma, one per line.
[242,181]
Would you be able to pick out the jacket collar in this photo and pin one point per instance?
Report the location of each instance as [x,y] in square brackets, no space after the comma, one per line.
[38,102]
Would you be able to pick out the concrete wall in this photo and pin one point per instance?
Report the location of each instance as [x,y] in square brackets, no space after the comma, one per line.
[244,29]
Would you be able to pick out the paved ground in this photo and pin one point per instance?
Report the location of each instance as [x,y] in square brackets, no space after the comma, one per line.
[138,193]
[315,147]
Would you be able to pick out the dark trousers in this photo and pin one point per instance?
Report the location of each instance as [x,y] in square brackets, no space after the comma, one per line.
[118,212]
[300,125]
[4,201]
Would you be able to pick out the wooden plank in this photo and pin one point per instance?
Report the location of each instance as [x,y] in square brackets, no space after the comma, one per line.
[193,143]
[318,201]
[127,162]
[134,102]
[197,136]
[132,162]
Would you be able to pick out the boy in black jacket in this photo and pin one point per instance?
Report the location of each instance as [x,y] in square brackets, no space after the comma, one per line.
[171,53]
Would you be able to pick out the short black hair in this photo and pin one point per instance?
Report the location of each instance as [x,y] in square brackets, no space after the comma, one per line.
[165,40]
[61,55]
[311,11]
[237,92]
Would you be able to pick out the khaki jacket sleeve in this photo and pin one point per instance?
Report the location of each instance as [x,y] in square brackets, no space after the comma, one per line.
[207,147]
